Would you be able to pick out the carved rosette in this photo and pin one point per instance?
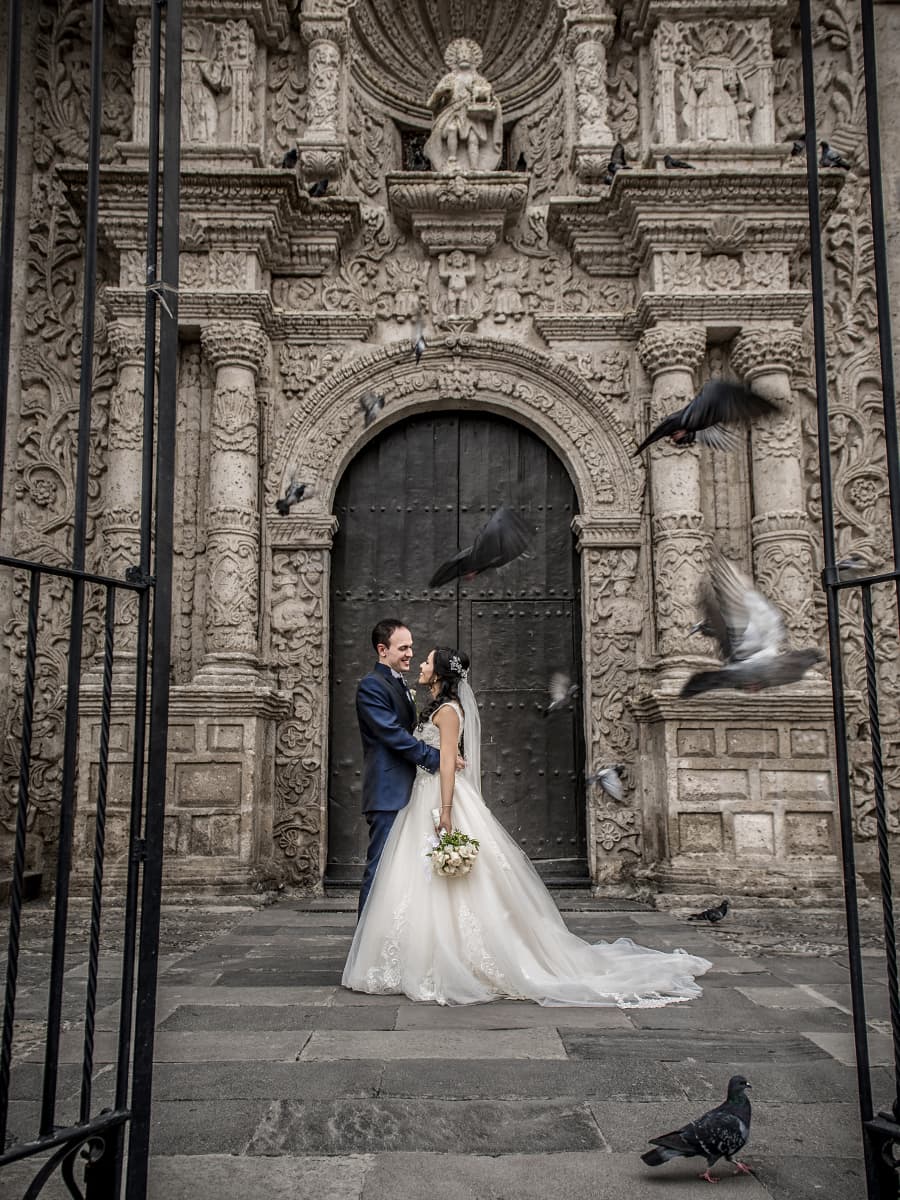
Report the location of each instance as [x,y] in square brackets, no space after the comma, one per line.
[236,351]
[614,608]
[670,355]
[122,504]
[783,550]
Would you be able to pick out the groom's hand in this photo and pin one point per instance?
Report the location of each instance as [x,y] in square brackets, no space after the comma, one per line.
[460,763]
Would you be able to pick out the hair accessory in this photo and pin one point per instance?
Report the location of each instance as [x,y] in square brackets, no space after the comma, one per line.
[457,668]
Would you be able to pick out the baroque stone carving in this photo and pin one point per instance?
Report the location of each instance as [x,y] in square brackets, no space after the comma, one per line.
[467,134]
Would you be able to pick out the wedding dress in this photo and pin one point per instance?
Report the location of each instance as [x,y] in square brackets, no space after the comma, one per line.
[495,932]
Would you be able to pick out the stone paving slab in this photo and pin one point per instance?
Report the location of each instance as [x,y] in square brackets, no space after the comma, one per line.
[382,1125]
[800,1177]
[222,1126]
[508,1015]
[840,1046]
[209,1017]
[665,1045]
[798,1082]
[267,1080]
[427,1044]
[210,1177]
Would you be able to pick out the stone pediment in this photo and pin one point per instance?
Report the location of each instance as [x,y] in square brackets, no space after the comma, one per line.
[457,212]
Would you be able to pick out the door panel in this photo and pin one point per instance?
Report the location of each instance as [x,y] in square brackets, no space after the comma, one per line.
[406,504]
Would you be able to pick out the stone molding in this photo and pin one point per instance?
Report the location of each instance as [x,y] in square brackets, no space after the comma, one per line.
[806,703]
[721,309]
[268,18]
[457,212]
[608,532]
[762,351]
[235,343]
[672,348]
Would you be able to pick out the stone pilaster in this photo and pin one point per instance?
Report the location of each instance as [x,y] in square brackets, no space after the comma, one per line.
[589,33]
[323,143]
[670,354]
[122,509]
[236,351]
[783,558]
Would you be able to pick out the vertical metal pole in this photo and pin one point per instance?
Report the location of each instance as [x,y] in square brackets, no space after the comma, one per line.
[79,536]
[8,225]
[139,1139]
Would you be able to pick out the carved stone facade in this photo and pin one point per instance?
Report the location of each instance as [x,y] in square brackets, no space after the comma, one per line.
[584,310]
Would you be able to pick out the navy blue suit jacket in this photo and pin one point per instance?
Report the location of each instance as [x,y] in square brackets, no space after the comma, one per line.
[387,717]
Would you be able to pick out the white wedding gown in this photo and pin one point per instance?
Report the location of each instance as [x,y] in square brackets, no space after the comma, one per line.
[495,932]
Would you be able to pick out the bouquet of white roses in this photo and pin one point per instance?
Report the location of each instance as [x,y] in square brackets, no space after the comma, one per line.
[453,853]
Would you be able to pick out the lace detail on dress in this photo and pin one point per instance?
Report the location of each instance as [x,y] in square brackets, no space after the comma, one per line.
[484,965]
[387,974]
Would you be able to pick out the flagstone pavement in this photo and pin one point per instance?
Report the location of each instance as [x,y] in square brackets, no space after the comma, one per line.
[273,1082]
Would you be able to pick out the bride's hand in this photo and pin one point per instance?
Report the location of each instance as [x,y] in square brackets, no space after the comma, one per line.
[460,763]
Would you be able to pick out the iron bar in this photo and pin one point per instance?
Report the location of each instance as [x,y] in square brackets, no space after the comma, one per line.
[8,220]
[18,873]
[139,725]
[139,1133]
[90,1008]
[68,1133]
[881,825]
[79,537]
[842,763]
[25,564]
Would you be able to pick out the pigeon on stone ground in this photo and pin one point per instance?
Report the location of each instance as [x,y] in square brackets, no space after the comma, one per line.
[751,635]
[677,164]
[318,189]
[831,158]
[418,342]
[294,494]
[720,1133]
[713,915]
[609,780]
[504,537]
[290,159]
[709,418]
[562,692]
[371,403]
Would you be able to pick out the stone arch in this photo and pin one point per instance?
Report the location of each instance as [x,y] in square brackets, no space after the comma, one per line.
[511,380]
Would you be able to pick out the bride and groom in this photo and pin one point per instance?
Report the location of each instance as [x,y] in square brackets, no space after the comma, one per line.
[496,931]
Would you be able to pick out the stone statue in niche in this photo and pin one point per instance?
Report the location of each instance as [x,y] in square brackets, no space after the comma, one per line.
[719,109]
[206,77]
[457,269]
[467,134]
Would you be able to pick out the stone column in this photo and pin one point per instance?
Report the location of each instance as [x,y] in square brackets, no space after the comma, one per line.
[670,354]
[589,32]
[236,351]
[783,552]
[122,508]
[323,144]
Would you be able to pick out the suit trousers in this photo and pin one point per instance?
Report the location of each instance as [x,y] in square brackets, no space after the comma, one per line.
[380,825]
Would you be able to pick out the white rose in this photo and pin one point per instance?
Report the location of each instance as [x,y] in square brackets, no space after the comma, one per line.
[455,858]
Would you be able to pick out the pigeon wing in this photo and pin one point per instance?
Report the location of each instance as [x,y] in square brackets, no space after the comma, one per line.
[714,620]
[721,1133]
[503,538]
[718,437]
[609,780]
[559,687]
[719,402]
[458,565]
[665,428]
[755,625]
[683,1140]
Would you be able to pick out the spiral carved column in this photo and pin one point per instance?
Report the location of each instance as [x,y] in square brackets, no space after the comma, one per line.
[670,355]
[236,350]
[783,559]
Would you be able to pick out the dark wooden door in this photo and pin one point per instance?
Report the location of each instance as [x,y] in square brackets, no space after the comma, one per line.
[405,504]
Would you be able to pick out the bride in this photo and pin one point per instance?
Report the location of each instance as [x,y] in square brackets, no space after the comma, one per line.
[496,931]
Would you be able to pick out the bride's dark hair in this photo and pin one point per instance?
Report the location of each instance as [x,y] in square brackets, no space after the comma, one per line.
[448,667]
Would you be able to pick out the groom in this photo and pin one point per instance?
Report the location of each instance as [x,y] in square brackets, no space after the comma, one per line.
[386,711]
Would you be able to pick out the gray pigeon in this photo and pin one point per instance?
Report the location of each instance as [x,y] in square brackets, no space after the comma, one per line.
[290,159]
[318,189]
[855,564]
[418,343]
[713,915]
[720,1133]
[609,780]
[677,164]
[294,494]
[709,417]
[831,158]
[371,403]
[504,537]
[798,147]
[562,692]
[751,635]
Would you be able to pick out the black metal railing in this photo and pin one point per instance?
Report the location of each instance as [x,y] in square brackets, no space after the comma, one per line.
[96,1141]
[881,1131]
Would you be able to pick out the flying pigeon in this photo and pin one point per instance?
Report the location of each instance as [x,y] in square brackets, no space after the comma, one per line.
[677,164]
[720,1133]
[562,692]
[609,780]
[521,164]
[713,915]
[855,564]
[371,403]
[831,158]
[708,418]
[294,494]
[751,635]
[290,160]
[318,189]
[504,537]
[418,343]
[798,147]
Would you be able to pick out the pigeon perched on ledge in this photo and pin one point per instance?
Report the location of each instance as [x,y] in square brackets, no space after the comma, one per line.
[713,915]
[720,1133]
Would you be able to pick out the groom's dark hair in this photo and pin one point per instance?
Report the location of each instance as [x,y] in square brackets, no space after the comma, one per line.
[384,631]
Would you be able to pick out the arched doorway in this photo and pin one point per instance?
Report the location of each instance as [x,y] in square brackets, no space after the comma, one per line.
[405,504]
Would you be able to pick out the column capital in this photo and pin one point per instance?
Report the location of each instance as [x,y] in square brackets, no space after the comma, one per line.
[235,343]
[126,342]
[764,350]
[323,29]
[672,347]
